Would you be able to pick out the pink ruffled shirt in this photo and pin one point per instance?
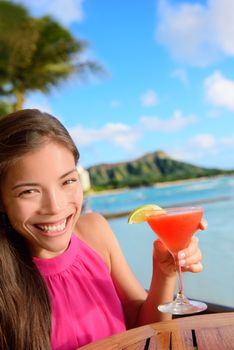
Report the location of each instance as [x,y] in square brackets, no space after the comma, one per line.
[85,305]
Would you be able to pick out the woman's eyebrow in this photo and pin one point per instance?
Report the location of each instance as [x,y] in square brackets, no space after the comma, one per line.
[26,184]
[68,173]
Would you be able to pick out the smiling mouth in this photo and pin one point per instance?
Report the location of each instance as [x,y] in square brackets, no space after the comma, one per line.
[50,227]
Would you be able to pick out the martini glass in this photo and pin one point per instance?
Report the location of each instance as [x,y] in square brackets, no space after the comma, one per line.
[175,227]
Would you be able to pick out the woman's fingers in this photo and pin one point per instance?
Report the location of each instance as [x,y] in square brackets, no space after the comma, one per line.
[190,250]
[190,258]
[203,225]
[193,258]
[198,267]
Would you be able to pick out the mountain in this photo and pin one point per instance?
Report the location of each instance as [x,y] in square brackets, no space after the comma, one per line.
[146,170]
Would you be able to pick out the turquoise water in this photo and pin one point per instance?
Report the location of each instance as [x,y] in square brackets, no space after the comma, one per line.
[216,282]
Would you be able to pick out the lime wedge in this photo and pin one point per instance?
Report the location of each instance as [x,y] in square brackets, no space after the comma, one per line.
[140,214]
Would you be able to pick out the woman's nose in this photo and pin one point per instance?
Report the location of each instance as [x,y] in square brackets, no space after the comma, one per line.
[51,203]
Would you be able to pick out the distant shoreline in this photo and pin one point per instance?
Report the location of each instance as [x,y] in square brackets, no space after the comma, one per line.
[158,184]
[198,203]
[119,214]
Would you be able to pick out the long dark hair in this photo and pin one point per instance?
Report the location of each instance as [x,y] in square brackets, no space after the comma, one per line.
[25,309]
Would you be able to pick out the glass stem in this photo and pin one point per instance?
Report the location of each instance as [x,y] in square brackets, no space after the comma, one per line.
[180,283]
[180,297]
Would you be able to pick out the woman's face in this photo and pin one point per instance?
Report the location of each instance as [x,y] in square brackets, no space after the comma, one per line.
[42,197]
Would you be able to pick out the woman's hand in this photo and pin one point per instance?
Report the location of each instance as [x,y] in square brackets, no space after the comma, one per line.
[189,258]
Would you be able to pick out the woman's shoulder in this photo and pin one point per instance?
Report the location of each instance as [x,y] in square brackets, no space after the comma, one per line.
[94,230]
[88,225]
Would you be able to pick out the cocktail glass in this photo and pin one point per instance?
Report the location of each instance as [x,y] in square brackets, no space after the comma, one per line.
[175,227]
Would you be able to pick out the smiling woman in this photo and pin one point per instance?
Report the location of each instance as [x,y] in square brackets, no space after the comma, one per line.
[64,281]
[38,175]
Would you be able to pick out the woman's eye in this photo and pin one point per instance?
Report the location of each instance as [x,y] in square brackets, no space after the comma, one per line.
[70,181]
[28,192]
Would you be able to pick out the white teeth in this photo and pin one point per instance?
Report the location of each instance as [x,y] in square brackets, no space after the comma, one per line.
[53,228]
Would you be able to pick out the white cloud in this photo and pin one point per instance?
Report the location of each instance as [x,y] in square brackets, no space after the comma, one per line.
[175,123]
[120,135]
[149,98]
[203,141]
[126,137]
[219,91]
[65,11]
[206,148]
[196,34]
[222,19]
[203,148]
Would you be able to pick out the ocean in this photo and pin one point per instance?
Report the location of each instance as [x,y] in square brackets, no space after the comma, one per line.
[215,284]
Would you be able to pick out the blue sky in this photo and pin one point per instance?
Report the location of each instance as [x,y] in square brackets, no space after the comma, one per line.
[170,81]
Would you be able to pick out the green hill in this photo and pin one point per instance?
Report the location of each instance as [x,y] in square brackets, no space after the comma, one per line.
[147,170]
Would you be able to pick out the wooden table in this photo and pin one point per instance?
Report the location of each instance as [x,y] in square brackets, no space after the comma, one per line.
[200,332]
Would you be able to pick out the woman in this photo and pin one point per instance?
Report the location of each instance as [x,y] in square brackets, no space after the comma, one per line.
[64,280]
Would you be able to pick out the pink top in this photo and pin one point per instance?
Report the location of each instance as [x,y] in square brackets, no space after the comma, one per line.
[85,305]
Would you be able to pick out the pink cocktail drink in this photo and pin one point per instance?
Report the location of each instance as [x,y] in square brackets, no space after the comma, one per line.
[175,228]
